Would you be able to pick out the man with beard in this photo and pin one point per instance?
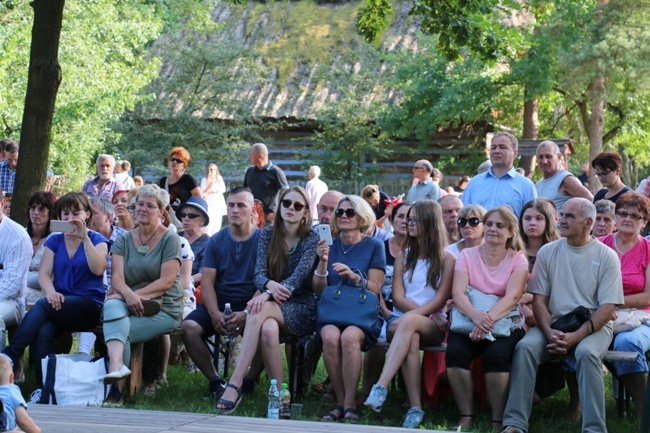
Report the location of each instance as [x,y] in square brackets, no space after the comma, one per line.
[104,184]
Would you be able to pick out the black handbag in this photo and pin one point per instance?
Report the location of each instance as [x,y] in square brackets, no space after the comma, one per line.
[570,322]
[342,305]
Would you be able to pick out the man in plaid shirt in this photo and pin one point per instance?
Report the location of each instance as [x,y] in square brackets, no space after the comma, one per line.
[8,166]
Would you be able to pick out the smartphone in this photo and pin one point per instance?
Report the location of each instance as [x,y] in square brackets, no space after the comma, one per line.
[61,226]
[325,232]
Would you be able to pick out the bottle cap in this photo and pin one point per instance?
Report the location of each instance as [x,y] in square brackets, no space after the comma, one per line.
[274,381]
[227,305]
[285,386]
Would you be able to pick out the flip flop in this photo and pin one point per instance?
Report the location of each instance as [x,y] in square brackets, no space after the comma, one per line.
[353,417]
[331,416]
[228,406]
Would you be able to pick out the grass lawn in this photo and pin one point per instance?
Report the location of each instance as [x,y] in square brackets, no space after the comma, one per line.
[188,393]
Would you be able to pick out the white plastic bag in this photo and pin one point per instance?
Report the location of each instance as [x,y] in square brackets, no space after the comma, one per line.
[74,380]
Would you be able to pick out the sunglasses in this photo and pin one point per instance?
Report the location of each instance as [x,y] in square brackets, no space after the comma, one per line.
[473,222]
[370,193]
[296,205]
[348,212]
[189,215]
[176,160]
[130,207]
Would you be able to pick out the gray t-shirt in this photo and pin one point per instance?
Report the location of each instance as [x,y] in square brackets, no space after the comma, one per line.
[140,271]
[587,276]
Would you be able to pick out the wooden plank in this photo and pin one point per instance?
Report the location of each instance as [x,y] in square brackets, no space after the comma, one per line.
[57,419]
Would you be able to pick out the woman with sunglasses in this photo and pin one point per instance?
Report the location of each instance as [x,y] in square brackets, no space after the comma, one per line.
[120,202]
[286,305]
[632,214]
[470,225]
[607,168]
[496,267]
[193,215]
[180,185]
[421,288]
[342,346]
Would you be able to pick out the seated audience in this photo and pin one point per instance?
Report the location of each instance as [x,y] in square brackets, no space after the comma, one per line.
[421,288]
[41,207]
[193,215]
[120,203]
[496,267]
[605,218]
[286,304]
[377,201]
[342,346]
[71,277]
[574,271]
[632,214]
[451,206]
[228,271]
[471,225]
[146,265]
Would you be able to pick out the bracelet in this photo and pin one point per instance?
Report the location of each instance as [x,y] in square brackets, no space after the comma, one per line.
[591,323]
[321,275]
[246,311]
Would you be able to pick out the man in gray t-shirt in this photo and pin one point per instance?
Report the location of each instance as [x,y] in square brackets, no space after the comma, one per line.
[576,270]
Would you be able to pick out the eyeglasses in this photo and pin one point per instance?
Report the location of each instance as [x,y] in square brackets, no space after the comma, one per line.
[348,212]
[602,174]
[370,193]
[473,222]
[634,216]
[130,207]
[190,215]
[176,160]
[417,168]
[36,208]
[410,220]
[296,205]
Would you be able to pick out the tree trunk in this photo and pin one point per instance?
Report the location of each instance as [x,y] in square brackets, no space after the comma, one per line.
[43,81]
[530,131]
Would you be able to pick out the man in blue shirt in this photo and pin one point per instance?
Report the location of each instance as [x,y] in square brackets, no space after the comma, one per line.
[228,271]
[8,166]
[501,184]
[425,187]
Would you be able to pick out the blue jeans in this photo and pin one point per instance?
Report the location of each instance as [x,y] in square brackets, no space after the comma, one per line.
[42,324]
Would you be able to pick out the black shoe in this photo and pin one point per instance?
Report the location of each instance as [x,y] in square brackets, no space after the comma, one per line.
[248,386]
[217,386]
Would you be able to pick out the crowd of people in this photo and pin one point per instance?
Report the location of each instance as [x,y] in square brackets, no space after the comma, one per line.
[491,267]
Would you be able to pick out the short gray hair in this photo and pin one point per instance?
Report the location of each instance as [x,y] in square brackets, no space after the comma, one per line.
[105,205]
[260,148]
[514,143]
[151,190]
[104,157]
[604,206]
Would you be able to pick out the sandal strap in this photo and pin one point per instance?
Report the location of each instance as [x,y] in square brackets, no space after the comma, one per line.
[235,387]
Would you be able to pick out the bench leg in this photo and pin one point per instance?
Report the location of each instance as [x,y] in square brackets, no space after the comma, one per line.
[135,379]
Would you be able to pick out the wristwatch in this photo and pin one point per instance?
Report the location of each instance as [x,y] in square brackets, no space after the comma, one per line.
[268,292]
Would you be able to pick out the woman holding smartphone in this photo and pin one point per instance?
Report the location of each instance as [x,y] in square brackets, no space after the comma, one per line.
[71,276]
[342,345]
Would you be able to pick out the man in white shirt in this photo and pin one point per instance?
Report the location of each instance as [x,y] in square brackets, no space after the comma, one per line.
[15,255]
[315,189]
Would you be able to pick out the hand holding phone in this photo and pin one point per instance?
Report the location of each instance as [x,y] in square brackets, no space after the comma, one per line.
[325,233]
[61,226]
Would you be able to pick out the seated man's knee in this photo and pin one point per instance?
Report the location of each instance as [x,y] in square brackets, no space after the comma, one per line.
[191,329]
[586,353]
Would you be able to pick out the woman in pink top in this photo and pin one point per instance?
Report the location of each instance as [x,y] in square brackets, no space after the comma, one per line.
[632,214]
[497,267]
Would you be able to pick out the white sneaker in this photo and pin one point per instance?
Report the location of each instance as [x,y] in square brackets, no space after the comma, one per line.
[117,375]
[376,398]
[35,397]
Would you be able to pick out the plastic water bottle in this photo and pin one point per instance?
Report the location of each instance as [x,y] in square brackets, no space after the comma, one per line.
[274,401]
[227,312]
[285,402]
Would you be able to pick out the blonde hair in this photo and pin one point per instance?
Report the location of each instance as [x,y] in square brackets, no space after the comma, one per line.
[361,207]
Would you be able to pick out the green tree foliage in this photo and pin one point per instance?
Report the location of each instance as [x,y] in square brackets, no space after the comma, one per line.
[103,60]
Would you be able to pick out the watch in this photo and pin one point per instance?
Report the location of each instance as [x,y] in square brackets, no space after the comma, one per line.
[268,292]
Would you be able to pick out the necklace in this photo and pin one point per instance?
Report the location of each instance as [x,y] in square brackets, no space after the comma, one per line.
[486,262]
[36,243]
[293,250]
[349,249]
[620,253]
[143,249]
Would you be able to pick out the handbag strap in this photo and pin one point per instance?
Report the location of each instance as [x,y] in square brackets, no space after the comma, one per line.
[363,283]
[50,381]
